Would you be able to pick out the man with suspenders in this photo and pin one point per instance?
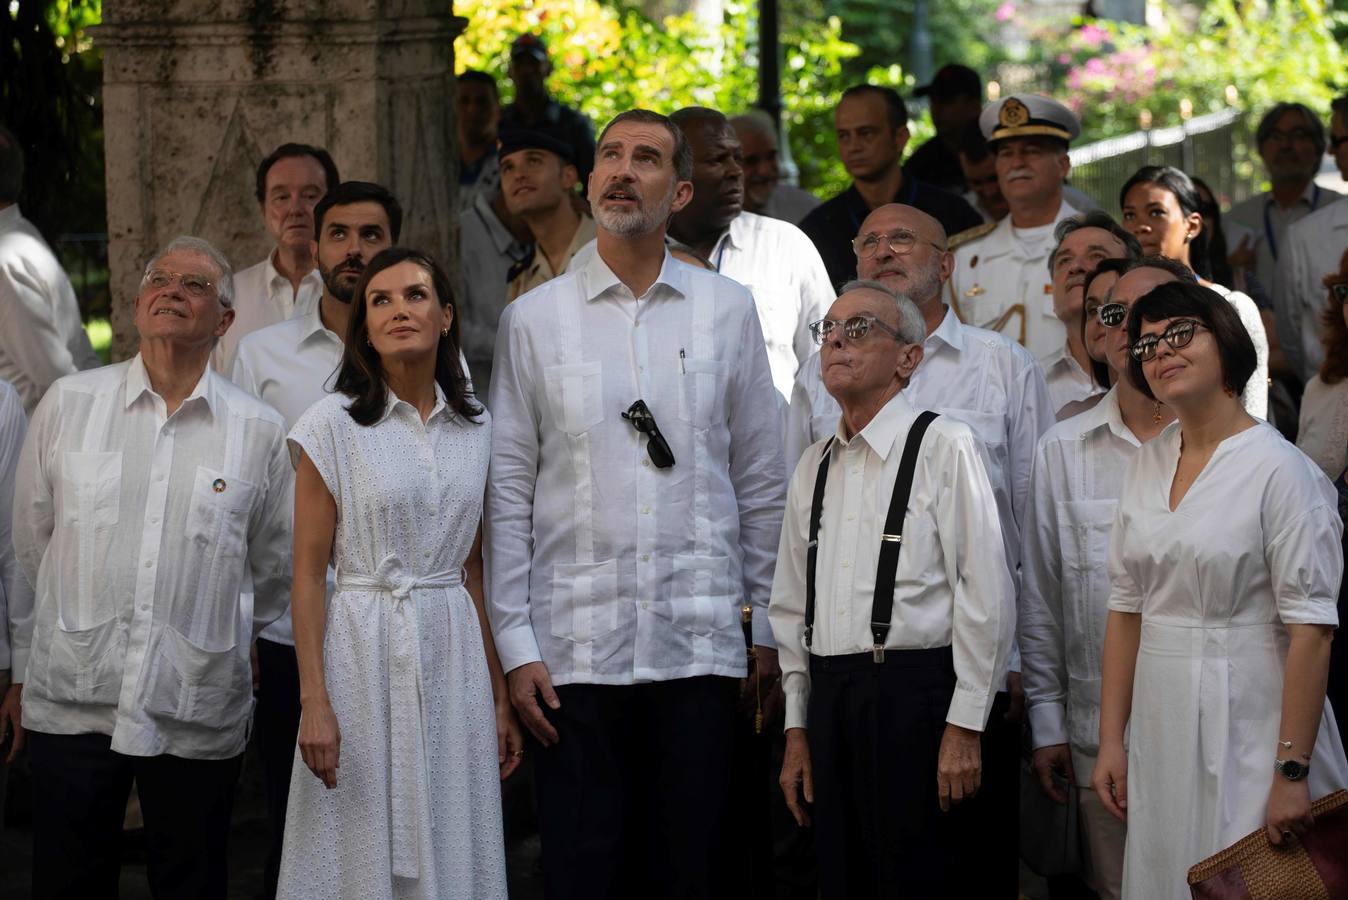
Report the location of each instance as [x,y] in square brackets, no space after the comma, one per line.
[893,617]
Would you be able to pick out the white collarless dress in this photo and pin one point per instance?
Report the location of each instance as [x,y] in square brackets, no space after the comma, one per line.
[1253,546]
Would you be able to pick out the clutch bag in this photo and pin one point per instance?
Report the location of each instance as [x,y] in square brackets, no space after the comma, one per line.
[1313,867]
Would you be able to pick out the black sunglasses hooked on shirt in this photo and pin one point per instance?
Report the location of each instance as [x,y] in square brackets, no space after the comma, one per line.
[639,414]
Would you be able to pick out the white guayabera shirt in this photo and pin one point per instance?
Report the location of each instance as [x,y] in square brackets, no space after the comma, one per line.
[137,528]
[262,297]
[952,587]
[1064,589]
[606,568]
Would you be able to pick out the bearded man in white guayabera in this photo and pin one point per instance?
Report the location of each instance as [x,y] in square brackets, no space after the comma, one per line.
[147,491]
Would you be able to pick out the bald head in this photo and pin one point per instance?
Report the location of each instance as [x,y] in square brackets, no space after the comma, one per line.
[904,249]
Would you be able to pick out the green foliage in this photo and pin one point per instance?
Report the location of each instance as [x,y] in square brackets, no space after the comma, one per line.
[962,31]
[608,59]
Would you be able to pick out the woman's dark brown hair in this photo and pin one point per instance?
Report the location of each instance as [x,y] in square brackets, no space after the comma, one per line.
[1335,334]
[361,376]
[1186,300]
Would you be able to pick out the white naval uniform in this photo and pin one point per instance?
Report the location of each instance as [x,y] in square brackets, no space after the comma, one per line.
[993,275]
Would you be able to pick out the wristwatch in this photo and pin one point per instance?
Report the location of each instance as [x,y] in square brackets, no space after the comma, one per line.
[1291,769]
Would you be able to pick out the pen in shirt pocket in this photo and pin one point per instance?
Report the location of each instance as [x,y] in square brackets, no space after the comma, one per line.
[682,357]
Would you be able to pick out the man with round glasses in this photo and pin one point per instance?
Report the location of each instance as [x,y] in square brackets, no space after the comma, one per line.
[893,617]
[994,386]
[150,490]
[1082,242]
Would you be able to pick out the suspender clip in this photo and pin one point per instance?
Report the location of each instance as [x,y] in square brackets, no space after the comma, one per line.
[879,652]
[809,635]
[893,538]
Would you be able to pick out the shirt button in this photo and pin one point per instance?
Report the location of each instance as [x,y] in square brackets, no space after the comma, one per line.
[851,517]
[645,557]
[645,604]
[847,563]
[427,554]
[145,607]
[154,520]
[149,563]
[645,510]
[646,463]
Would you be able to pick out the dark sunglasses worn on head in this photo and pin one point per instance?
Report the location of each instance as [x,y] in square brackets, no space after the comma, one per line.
[1177,334]
[639,414]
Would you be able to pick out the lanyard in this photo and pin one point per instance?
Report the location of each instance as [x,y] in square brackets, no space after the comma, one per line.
[1268,224]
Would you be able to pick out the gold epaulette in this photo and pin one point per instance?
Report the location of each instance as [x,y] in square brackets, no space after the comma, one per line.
[969,234]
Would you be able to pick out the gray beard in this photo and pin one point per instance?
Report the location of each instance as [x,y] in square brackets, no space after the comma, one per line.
[638,222]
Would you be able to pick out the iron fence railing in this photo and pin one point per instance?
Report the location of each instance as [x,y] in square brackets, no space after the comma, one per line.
[1215,148]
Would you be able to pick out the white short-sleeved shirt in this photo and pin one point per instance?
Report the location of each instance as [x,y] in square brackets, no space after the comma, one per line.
[15,590]
[138,529]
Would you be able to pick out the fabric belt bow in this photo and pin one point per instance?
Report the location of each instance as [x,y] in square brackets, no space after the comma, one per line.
[407,755]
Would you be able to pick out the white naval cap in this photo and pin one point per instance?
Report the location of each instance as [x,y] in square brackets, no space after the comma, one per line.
[1028,115]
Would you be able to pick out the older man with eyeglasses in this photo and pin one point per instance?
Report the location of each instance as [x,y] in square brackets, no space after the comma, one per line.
[893,609]
[633,510]
[146,492]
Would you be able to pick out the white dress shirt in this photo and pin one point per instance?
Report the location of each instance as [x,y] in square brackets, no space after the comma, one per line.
[41,335]
[1067,381]
[290,366]
[262,297]
[1001,270]
[608,569]
[1064,589]
[137,528]
[782,269]
[952,587]
[1313,248]
[1266,221]
[15,590]
[1322,433]
[979,377]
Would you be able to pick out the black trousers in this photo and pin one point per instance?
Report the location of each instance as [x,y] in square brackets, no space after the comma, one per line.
[80,788]
[632,798]
[276,720]
[875,737]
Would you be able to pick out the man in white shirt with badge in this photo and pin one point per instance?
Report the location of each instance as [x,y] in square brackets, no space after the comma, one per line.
[147,491]
[893,609]
[290,366]
[41,335]
[290,182]
[999,281]
[632,511]
[774,260]
[1081,242]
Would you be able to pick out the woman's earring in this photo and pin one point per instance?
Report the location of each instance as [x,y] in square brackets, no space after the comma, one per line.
[444,332]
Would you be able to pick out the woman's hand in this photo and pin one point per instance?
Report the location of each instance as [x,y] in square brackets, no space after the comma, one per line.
[1289,810]
[320,741]
[1110,779]
[509,739]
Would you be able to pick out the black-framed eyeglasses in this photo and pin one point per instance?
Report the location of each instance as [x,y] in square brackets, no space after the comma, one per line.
[1112,315]
[854,328]
[639,414]
[1340,291]
[1177,334]
[899,243]
[1336,142]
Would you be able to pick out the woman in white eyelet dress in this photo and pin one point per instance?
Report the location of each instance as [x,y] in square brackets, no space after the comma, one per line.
[396,787]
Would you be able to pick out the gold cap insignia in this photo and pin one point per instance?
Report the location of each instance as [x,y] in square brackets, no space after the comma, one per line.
[1013,114]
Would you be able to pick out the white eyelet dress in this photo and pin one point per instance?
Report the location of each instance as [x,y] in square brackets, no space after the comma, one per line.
[417,808]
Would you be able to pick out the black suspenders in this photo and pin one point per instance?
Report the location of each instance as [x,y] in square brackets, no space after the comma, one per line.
[891,541]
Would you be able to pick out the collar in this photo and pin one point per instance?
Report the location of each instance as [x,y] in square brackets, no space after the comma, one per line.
[949,332]
[1308,197]
[1338,218]
[392,403]
[1001,241]
[883,430]
[585,232]
[500,236]
[137,382]
[274,276]
[312,324]
[597,279]
[10,217]
[1106,414]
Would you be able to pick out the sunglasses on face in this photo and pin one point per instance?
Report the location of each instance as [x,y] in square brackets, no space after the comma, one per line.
[1177,334]
[639,414]
[854,328]
[1112,315]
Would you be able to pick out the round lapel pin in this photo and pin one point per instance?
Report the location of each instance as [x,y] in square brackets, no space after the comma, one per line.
[218,485]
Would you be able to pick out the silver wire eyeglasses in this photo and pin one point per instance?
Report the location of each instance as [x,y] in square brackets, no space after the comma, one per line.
[899,242]
[193,285]
[854,328]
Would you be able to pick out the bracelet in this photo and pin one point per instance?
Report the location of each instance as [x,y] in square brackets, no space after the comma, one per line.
[1287,745]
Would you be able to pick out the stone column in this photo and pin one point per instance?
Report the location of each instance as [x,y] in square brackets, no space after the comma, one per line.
[197,92]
